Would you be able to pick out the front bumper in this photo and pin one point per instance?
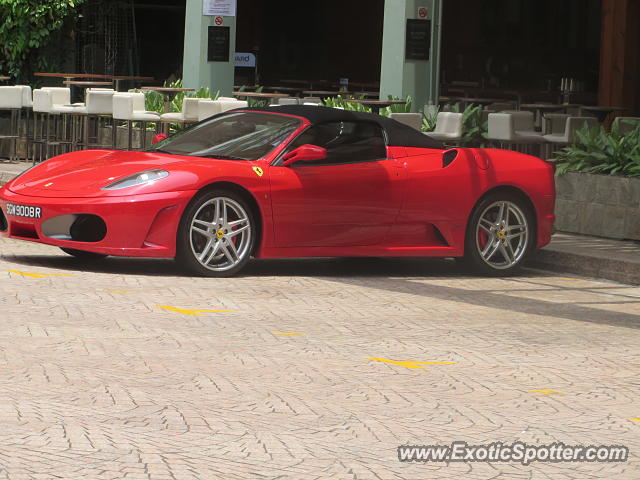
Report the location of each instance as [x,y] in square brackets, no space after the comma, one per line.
[136,225]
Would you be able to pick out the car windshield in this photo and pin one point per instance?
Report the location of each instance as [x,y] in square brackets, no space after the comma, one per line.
[234,136]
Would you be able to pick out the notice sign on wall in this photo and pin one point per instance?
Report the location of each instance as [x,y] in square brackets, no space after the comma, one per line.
[245,59]
[218,44]
[224,8]
[418,41]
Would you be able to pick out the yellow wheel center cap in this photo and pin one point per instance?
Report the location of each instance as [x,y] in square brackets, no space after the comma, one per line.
[502,234]
[220,233]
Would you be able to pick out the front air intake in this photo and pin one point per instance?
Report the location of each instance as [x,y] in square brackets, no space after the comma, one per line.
[88,228]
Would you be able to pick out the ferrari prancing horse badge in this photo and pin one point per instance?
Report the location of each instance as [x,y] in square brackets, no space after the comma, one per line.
[258,171]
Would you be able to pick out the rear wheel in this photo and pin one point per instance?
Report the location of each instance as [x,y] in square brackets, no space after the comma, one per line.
[500,235]
[217,234]
[83,255]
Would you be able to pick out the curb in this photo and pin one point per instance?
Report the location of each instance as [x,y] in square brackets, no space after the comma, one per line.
[586,265]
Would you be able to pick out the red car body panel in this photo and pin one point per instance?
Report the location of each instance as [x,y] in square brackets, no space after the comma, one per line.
[409,204]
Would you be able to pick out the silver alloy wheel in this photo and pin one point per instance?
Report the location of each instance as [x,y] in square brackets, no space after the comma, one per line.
[502,234]
[220,234]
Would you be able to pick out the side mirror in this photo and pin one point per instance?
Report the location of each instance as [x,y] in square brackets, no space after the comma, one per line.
[305,153]
[159,137]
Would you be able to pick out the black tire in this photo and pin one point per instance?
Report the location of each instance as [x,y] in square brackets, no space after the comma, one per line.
[497,254]
[219,238]
[83,255]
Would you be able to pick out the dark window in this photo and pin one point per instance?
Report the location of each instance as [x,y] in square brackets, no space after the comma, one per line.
[346,142]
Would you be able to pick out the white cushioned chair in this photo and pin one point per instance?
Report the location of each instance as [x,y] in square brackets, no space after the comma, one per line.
[502,128]
[208,108]
[448,127]
[413,120]
[98,106]
[11,99]
[572,125]
[188,114]
[130,107]
[626,124]
[288,101]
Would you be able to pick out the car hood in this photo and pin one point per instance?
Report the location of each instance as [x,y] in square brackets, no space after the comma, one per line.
[85,173]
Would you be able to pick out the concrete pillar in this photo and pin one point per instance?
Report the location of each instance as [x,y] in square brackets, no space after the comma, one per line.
[197,72]
[400,77]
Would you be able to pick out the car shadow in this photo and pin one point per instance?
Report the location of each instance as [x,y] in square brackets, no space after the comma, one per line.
[116,265]
[292,267]
[399,275]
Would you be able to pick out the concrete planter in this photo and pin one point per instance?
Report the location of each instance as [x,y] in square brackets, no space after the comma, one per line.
[600,205]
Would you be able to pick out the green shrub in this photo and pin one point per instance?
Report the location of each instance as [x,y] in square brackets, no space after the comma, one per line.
[599,151]
[474,129]
[25,27]
[154,101]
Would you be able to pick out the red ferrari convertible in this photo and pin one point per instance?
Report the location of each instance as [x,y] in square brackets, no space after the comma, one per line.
[287,181]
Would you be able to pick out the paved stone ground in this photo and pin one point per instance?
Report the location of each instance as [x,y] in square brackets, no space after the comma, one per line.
[98,382]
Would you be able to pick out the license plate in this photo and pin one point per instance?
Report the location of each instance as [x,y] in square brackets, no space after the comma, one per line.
[24,211]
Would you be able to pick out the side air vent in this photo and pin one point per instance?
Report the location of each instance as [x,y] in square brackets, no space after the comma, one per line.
[3,222]
[448,157]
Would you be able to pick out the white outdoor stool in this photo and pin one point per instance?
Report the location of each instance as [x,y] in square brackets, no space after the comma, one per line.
[568,137]
[208,108]
[226,105]
[27,106]
[130,107]
[189,114]
[288,101]
[626,124]
[448,127]
[99,109]
[502,129]
[48,106]
[413,120]
[11,100]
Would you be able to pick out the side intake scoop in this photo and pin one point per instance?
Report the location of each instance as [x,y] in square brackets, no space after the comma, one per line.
[480,157]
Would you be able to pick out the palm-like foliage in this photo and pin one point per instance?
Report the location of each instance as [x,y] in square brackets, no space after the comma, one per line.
[474,129]
[598,151]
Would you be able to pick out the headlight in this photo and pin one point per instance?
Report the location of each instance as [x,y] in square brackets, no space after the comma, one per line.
[148,176]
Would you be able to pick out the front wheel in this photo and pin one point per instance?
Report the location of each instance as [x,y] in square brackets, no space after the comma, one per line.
[217,234]
[500,235]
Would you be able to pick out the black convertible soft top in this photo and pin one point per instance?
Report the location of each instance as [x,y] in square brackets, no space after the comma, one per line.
[398,134]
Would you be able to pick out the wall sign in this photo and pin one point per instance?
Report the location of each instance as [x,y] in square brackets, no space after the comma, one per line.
[224,8]
[218,44]
[245,59]
[423,12]
[418,39]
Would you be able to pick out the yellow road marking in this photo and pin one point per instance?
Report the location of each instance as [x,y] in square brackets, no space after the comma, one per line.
[635,419]
[38,275]
[408,363]
[288,333]
[118,291]
[190,311]
[546,391]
